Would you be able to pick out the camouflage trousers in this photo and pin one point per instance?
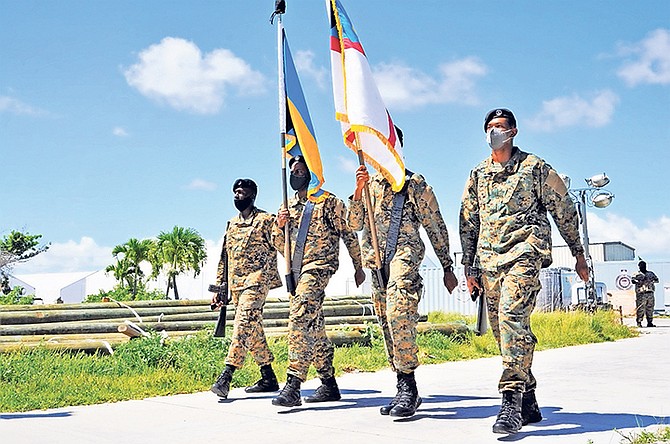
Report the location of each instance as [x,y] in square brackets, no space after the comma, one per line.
[511,293]
[307,340]
[248,333]
[397,311]
[644,306]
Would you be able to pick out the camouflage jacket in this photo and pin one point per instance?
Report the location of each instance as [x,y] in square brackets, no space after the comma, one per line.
[419,210]
[327,225]
[249,252]
[644,282]
[504,212]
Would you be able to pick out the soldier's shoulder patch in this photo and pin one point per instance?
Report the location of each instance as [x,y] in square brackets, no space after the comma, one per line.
[555,182]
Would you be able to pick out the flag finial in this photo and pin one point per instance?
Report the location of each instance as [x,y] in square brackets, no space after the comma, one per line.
[280,8]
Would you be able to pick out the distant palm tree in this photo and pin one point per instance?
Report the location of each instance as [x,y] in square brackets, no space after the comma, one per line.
[178,251]
[129,256]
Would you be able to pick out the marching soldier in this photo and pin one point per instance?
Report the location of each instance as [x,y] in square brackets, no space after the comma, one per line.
[315,259]
[396,302]
[503,222]
[250,259]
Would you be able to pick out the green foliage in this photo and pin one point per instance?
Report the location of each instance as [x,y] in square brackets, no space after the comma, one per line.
[40,378]
[662,435]
[22,246]
[14,248]
[177,252]
[560,329]
[129,257]
[125,294]
[16,297]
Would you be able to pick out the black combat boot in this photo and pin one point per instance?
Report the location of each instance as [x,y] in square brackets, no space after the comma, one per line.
[385,410]
[327,391]
[267,383]
[509,417]
[290,394]
[222,385]
[530,411]
[408,396]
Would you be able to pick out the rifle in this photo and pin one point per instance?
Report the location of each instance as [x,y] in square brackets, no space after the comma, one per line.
[481,323]
[221,299]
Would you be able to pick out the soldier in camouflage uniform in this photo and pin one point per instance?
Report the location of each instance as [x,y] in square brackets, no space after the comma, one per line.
[251,261]
[504,223]
[307,340]
[644,294]
[396,304]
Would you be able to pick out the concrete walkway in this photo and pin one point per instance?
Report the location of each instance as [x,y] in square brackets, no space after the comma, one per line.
[586,393]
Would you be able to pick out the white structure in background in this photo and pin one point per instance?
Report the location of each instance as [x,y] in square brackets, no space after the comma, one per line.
[614,264]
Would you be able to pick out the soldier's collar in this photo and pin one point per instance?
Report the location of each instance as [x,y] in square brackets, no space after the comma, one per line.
[510,166]
[254,212]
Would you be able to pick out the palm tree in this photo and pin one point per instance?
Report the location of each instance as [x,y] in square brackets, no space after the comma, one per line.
[178,251]
[129,256]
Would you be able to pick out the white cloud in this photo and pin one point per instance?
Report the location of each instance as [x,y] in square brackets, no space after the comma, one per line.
[120,132]
[68,257]
[15,106]
[304,63]
[651,63]
[404,87]
[176,72]
[201,184]
[348,164]
[651,241]
[574,110]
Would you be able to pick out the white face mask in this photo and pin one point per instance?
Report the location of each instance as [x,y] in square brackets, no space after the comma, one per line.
[496,138]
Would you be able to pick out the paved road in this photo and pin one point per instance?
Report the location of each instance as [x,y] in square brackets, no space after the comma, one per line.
[586,393]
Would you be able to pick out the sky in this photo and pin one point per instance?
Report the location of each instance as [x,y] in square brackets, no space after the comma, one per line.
[122,119]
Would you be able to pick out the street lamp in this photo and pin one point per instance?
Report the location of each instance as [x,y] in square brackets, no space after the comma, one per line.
[593,195]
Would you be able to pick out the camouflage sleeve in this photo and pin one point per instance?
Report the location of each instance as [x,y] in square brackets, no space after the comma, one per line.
[556,200]
[355,214]
[654,278]
[277,235]
[272,269]
[348,236]
[268,230]
[220,270]
[431,218]
[223,261]
[468,225]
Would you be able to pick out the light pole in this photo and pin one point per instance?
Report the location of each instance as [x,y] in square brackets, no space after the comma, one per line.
[593,195]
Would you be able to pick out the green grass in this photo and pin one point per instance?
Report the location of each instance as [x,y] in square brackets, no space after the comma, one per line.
[662,435]
[39,378]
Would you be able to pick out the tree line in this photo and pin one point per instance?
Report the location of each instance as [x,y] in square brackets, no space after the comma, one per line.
[172,253]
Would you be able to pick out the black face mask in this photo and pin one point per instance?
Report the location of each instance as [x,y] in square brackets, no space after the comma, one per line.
[298,182]
[243,204]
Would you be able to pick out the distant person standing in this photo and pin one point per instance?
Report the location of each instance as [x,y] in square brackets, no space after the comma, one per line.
[644,294]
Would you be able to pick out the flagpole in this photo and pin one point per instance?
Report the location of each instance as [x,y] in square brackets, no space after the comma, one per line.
[381,279]
[280,9]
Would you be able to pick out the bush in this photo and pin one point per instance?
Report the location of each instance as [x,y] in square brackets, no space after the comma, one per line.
[124,294]
[15,297]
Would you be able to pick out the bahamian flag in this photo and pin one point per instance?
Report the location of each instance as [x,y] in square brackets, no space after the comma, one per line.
[366,124]
[300,136]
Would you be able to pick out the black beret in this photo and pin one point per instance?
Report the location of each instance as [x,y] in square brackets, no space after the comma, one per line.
[245,183]
[297,159]
[500,112]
